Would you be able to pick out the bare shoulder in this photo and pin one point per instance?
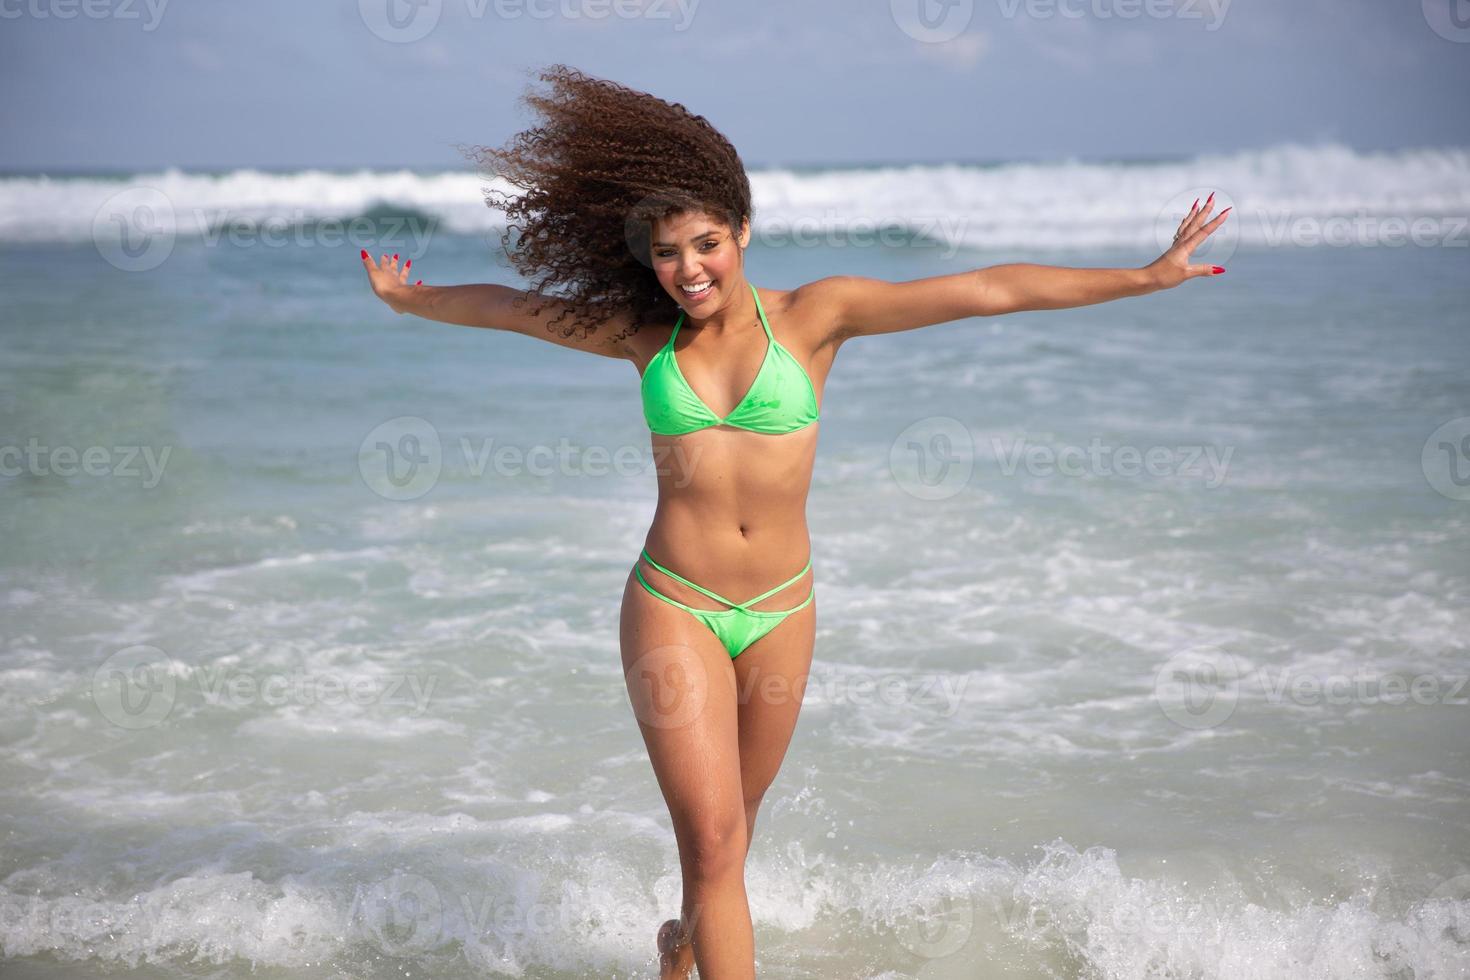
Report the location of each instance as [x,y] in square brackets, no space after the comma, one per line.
[809,314]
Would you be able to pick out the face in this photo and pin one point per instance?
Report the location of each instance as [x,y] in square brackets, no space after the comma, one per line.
[692,248]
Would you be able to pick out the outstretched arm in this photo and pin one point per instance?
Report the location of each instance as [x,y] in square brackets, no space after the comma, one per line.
[490,305]
[862,306]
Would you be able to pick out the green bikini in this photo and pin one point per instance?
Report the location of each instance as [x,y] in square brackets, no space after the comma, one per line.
[780,400]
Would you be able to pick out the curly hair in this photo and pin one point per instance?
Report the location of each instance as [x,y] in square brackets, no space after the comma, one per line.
[604,163]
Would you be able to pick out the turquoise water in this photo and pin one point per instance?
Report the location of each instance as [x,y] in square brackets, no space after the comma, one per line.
[1201,720]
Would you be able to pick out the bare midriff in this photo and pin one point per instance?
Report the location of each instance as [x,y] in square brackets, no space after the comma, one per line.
[731,514]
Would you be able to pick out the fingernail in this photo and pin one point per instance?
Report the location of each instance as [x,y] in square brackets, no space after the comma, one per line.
[421,282]
[1217,269]
[1226,211]
[364,253]
[1207,204]
[1194,205]
[395,256]
[408,266]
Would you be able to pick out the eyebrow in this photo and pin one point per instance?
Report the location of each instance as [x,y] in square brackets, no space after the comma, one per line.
[707,233]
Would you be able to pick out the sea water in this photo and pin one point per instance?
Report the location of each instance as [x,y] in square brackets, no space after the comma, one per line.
[1142,632]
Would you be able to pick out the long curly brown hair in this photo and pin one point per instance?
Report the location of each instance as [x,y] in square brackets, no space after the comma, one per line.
[602,165]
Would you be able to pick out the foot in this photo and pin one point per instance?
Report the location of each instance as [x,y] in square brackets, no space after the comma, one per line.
[675,952]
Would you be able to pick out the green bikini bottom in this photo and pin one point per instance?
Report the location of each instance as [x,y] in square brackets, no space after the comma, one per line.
[739,626]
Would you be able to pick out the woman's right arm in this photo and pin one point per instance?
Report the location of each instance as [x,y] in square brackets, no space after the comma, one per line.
[491,305]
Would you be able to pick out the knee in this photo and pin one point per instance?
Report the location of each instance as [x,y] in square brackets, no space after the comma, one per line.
[714,848]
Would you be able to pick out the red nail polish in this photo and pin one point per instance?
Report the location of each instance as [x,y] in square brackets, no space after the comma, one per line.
[395,256]
[419,283]
[1209,199]
[1194,205]
[409,266]
[364,253]
[1227,210]
[1218,269]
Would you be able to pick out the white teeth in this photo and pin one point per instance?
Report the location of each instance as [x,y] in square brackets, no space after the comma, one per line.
[699,288]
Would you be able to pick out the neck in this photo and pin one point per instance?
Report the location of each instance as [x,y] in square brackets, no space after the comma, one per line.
[736,315]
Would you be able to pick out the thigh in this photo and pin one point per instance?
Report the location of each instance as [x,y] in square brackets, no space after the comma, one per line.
[682,690]
[770,678]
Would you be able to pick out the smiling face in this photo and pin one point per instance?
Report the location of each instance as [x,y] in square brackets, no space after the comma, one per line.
[693,248]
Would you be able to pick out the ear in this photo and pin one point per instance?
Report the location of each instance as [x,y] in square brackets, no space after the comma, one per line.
[744,237]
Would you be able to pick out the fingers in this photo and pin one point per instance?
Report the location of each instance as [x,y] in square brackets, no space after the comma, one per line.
[1205,231]
[1205,270]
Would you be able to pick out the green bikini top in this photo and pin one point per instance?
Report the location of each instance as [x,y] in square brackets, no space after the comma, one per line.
[781,399]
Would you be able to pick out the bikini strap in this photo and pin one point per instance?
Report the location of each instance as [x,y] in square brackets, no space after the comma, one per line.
[767,595]
[679,578]
[762,311]
[719,598]
[675,332]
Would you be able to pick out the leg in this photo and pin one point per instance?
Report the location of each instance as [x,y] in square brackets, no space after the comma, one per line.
[771,676]
[681,686]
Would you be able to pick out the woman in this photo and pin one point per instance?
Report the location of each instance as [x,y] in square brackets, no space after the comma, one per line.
[618,184]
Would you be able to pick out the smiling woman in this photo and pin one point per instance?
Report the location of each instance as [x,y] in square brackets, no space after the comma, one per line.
[637,210]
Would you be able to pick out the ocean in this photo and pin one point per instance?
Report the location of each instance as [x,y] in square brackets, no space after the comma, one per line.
[1142,645]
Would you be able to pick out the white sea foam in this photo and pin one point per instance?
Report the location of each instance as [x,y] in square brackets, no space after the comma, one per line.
[1282,194]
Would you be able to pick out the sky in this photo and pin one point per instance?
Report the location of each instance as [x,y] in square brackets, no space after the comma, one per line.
[109,85]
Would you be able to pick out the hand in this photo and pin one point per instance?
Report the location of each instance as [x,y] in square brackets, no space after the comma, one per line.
[1173,267]
[388,281]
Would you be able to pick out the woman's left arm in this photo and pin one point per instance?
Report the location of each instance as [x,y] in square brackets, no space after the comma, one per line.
[861,306]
